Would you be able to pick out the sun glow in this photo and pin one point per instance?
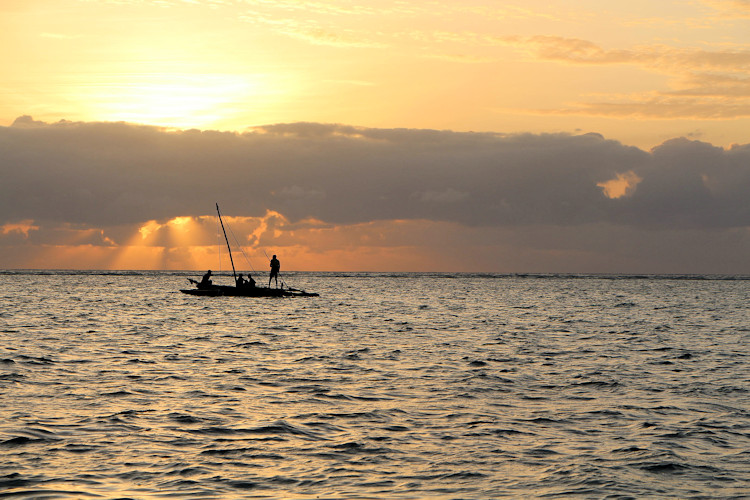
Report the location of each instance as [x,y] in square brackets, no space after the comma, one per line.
[148,229]
[178,100]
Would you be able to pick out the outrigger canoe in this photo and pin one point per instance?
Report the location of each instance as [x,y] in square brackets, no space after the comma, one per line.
[259,291]
[245,290]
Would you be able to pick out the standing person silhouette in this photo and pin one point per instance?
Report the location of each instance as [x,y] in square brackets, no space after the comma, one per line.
[275,266]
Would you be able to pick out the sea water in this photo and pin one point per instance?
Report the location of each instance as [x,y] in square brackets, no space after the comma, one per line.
[116,385]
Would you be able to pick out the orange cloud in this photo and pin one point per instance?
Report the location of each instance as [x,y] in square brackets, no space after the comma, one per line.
[660,107]
[621,186]
[706,84]
[149,228]
[661,57]
[333,197]
[731,7]
[22,227]
[412,245]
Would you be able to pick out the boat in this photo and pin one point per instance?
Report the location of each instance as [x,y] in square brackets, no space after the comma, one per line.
[246,290]
[256,291]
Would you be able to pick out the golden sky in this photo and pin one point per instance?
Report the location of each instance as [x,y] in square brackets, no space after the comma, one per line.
[639,71]
[637,74]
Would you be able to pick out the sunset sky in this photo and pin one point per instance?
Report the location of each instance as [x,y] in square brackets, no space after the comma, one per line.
[472,135]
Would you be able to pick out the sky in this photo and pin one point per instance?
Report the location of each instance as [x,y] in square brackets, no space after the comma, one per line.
[474,135]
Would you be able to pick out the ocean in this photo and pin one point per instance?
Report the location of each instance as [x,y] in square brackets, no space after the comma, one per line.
[397,386]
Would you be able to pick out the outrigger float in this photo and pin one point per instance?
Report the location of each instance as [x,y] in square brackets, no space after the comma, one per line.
[245,290]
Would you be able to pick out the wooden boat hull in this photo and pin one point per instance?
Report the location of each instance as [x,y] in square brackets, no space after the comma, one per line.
[232,291]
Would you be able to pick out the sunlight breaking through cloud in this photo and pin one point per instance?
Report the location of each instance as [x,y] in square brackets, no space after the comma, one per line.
[621,186]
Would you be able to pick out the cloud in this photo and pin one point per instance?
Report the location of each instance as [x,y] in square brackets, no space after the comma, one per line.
[351,189]
[732,8]
[621,186]
[323,36]
[117,173]
[315,31]
[659,107]
[27,121]
[22,227]
[706,84]
[449,195]
[662,57]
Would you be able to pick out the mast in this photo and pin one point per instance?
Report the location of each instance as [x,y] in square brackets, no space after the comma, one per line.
[234,273]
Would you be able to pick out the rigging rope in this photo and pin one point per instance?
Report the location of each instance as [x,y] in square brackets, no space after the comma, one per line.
[242,251]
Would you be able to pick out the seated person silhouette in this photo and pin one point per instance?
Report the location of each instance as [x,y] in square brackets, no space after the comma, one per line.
[206,281]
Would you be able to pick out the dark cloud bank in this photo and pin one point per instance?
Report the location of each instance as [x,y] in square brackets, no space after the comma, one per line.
[107,174]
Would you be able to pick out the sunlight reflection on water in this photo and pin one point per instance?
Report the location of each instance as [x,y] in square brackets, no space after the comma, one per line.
[398,386]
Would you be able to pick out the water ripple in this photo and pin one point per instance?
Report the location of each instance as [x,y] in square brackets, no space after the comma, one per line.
[385,386]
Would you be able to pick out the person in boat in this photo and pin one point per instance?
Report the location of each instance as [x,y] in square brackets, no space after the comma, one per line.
[250,283]
[245,283]
[206,281]
[275,267]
